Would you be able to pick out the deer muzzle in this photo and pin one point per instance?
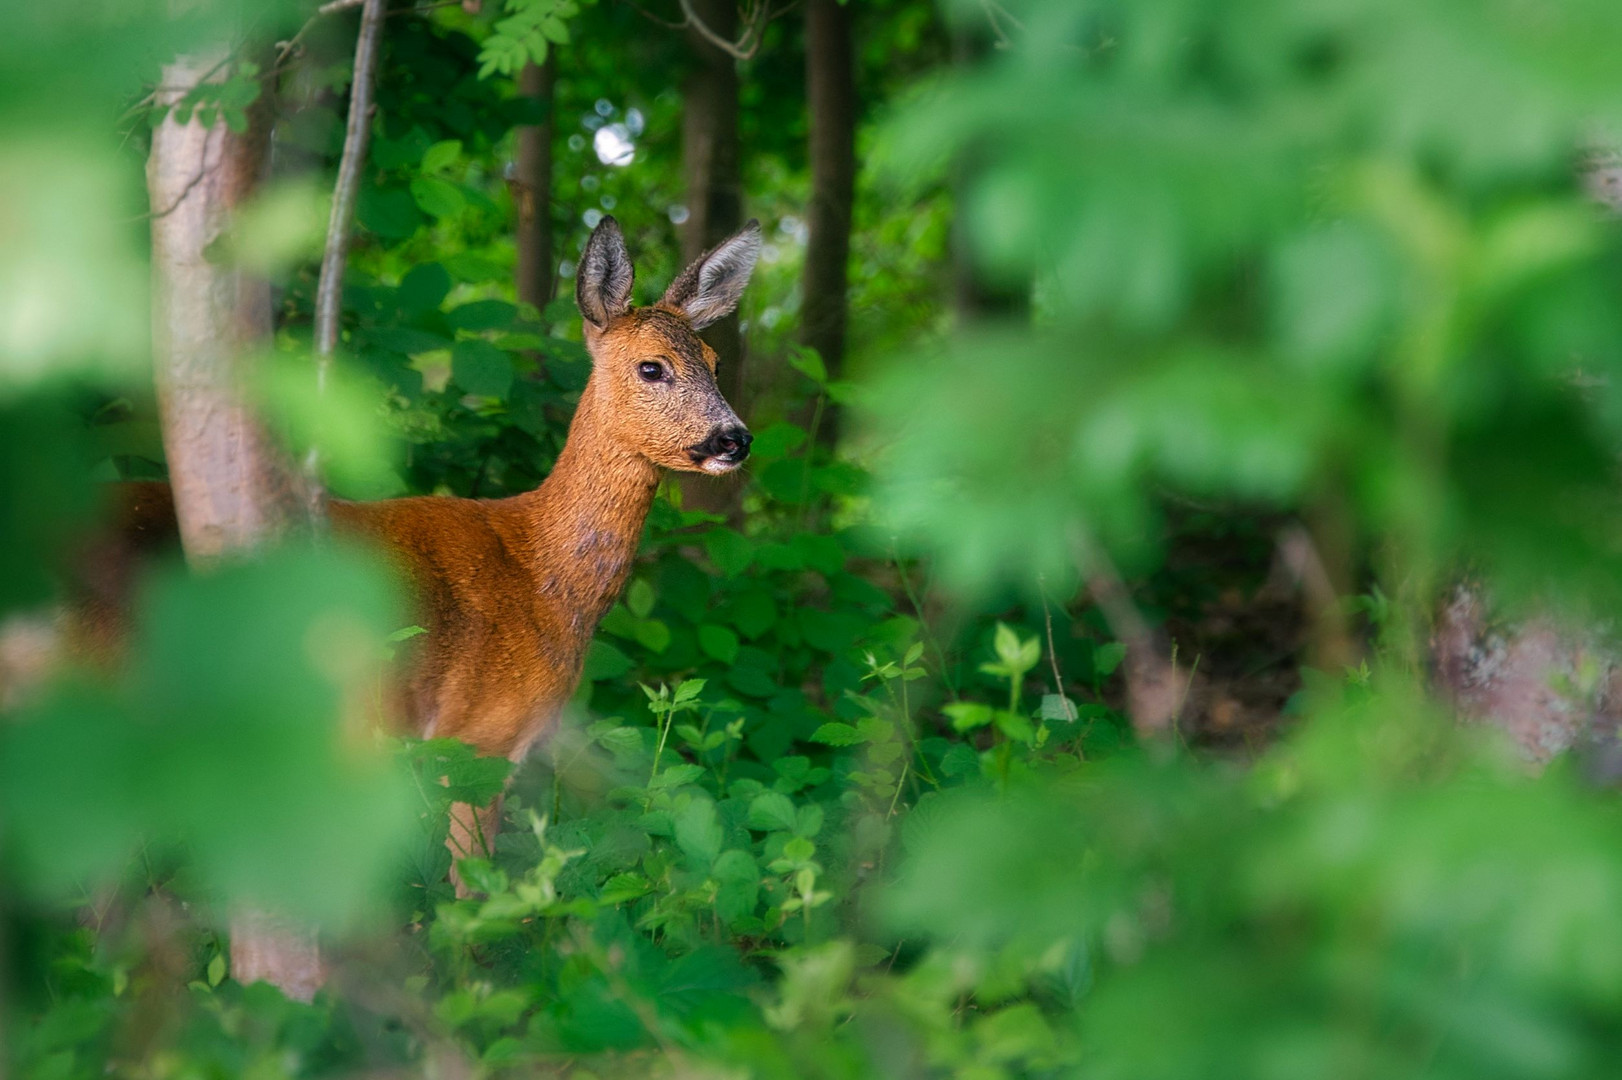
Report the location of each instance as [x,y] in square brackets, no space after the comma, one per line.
[722,452]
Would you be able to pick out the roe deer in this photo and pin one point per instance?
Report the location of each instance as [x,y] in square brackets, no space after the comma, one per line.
[511,590]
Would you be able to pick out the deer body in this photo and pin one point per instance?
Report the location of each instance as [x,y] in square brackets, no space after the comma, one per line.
[511,590]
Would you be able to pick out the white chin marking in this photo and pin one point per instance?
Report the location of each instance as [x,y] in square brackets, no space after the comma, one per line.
[718,466]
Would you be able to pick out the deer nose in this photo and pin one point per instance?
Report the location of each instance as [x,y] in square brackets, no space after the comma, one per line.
[732,442]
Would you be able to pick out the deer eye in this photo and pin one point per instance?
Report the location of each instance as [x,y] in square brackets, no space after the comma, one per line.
[651,370]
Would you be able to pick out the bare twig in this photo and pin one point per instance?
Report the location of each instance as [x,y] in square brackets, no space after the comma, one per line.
[329,289]
[285,49]
[651,17]
[1053,653]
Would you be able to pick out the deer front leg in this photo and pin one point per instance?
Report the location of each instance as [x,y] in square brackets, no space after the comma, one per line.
[472,836]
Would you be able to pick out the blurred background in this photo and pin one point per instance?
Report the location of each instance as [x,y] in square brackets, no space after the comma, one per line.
[1166,628]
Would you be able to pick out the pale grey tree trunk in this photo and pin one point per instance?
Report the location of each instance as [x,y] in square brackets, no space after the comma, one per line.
[234,491]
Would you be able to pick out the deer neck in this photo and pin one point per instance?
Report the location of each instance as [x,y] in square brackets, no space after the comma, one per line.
[585,520]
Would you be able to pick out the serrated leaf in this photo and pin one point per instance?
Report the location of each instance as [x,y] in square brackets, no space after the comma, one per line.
[1057,707]
[736,865]
[772,811]
[698,832]
[837,734]
[676,776]
[808,821]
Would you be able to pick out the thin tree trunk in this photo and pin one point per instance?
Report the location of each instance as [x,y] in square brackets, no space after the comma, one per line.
[831,97]
[233,492]
[531,186]
[712,165]
[974,295]
[713,168]
[532,190]
[329,291]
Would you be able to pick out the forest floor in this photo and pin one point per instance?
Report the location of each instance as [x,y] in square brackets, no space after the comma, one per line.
[1234,617]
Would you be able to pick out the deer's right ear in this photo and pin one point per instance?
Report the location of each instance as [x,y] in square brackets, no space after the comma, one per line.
[602,285]
[710,289]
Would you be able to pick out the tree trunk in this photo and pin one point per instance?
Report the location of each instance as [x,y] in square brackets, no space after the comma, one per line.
[711,163]
[233,491]
[831,98]
[712,167]
[974,295]
[532,190]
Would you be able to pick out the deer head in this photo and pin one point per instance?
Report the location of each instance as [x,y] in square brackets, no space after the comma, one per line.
[653,377]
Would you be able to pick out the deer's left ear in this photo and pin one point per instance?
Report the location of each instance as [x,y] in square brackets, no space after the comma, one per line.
[710,289]
[602,285]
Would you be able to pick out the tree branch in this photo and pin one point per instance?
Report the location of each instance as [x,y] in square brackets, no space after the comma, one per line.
[329,289]
[748,43]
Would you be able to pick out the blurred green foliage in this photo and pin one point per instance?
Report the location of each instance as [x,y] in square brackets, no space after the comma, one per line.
[832,800]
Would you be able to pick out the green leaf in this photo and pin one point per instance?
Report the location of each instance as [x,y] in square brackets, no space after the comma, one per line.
[482,315]
[808,822]
[391,213]
[837,734]
[441,155]
[676,776]
[698,831]
[481,369]
[1015,726]
[730,551]
[1108,657]
[968,715]
[1057,707]
[736,865]
[772,810]
[718,642]
[481,876]
[653,634]
[216,969]
[604,661]
[1017,656]
[808,362]
[623,887]
[438,198]
[688,690]
[799,849]
[639,598]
